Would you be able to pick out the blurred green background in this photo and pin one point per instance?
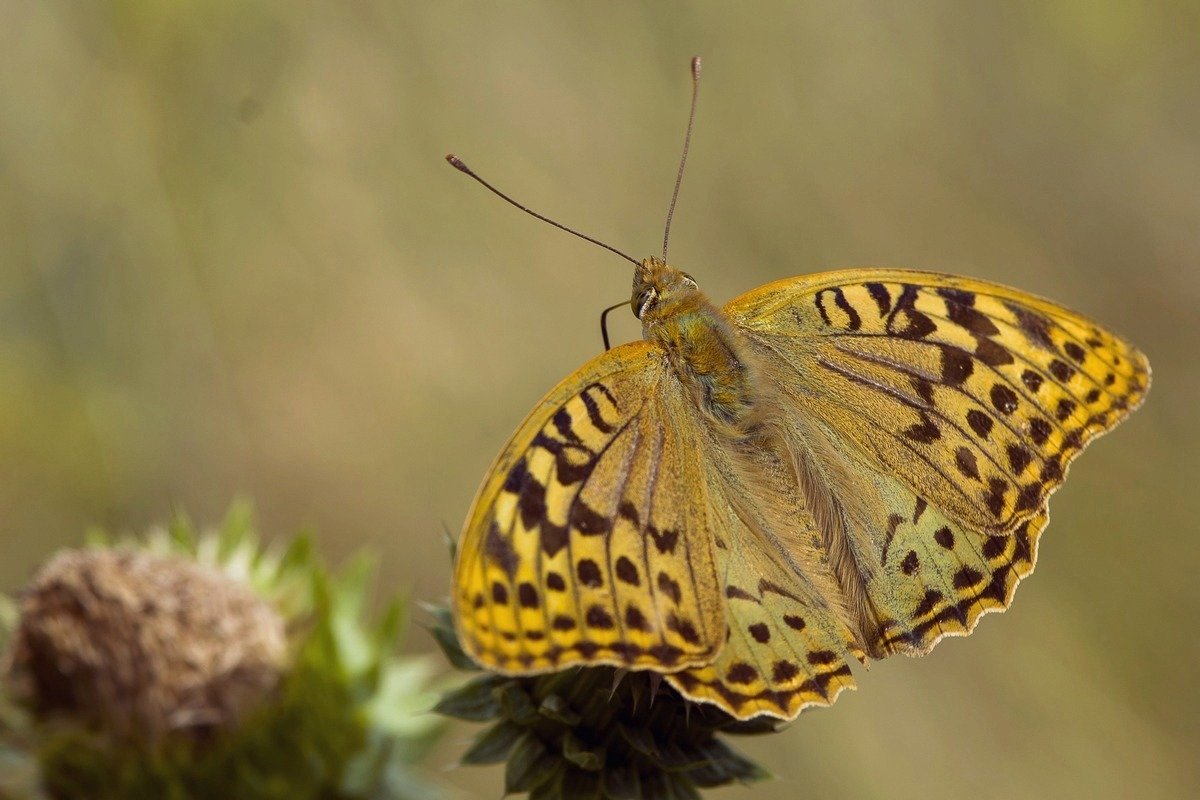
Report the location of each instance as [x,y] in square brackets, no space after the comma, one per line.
[232,262]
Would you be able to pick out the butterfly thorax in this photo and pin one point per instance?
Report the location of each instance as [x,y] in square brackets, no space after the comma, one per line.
[705,351]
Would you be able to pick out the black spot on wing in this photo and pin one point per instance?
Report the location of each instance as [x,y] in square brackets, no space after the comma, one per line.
[760,632]
[1062,371]
[880,295]
[670,587]
[971,319]
[683,627]
[593,408]
[980,422]
[994,497]
[927,431]
[588,521]
[962,297]
[964,459]
[627,572]
[741,672]
[1051,471]
[794,622]
[1018,458]
[734,593]
[665,540]
[853,320]
[1039,430]
[919,509]
[923,388]
[527,595]
[1004,399]
[573,462]
[819,657]
[1029,497]
[531,503]
[588,572]
[635,619]
[957,365]
[967,577]
[499,550]
[905,321]
[597,617]
[564,424]
[944,537]
[554,538]
[783,671]
[992,353]
[994,546]
[928,602]
[516,476]
[1035,326]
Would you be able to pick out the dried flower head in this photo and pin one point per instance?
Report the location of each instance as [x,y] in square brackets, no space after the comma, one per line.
[144,645]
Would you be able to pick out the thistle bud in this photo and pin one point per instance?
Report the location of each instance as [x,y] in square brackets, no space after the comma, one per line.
[142,646]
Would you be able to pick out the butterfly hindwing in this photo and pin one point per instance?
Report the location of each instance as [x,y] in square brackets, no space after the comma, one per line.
[588,544]
[786,644]
[785,647]
[925,574]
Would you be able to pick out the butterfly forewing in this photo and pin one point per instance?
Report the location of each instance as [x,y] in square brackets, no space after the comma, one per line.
[976,396]
[589,543]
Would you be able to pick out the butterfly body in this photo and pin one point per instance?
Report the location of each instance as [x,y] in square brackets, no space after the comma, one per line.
[706,353]
[830,467]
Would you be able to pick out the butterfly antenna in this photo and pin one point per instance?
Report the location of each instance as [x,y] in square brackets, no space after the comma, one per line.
[687,140]
[458,164]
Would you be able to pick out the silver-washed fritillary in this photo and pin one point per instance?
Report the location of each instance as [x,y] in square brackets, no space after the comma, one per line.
[850,464]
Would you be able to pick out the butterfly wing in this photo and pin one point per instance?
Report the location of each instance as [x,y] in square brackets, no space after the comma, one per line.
[588,542]
[937,414]
[786,643]
[615,528]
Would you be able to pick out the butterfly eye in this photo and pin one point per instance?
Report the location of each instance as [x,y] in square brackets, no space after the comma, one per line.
[644,300]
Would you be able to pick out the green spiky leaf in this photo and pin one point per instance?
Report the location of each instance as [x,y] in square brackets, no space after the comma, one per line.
[596,732]
[494,744]
[530,764]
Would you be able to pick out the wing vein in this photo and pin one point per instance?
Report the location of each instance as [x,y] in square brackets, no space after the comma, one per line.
[901,398]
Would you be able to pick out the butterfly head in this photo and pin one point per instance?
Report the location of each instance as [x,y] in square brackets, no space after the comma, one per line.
[659,290]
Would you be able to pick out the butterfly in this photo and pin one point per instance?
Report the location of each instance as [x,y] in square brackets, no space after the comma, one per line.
[834,467]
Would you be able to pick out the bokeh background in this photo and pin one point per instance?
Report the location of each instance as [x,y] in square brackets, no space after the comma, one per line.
[233,263]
